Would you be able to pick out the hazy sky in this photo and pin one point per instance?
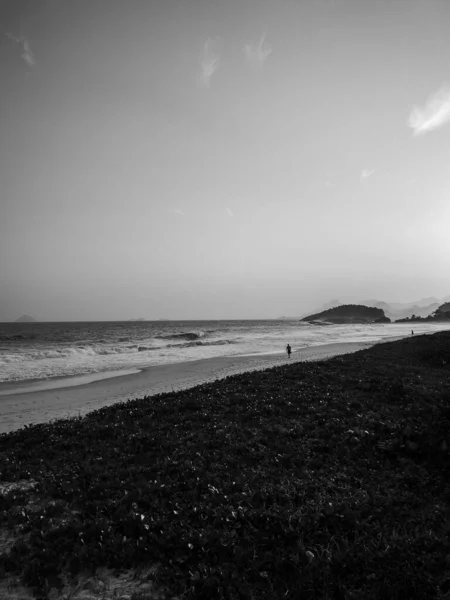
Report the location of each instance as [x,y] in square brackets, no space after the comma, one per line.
[221,158]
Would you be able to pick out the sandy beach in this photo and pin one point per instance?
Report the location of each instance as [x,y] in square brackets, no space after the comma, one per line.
[20,406]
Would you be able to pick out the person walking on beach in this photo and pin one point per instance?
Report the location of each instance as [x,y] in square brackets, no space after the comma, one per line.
[288,350]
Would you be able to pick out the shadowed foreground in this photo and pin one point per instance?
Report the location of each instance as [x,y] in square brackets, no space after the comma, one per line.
[311,480]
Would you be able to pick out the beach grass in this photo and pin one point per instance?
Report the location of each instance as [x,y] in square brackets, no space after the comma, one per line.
[321,480]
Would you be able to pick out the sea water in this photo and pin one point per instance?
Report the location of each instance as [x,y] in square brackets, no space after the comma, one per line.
[43,351]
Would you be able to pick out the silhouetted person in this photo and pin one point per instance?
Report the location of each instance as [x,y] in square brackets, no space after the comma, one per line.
[288,350]
[412,332]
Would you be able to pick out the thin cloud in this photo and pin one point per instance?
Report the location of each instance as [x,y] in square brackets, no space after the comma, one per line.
[366,173]
[434,114]
[256,54]
[27,53]
[177,211]
[209,63]
[229,212]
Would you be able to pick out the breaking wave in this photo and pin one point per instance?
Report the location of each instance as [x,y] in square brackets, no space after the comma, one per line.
[199,343]
[190,335]
[80,352]
[71,352]
[65,350]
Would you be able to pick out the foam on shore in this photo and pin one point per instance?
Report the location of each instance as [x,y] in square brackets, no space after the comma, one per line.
[43,385]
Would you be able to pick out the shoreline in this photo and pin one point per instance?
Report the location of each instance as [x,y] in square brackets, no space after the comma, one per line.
[43,385]
[28,386]
[19,409]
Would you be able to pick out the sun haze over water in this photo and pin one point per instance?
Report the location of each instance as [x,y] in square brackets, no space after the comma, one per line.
[212,160]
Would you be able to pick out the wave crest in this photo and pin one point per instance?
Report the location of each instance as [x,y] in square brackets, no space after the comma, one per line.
[189,335]
[70,352]
[199,343]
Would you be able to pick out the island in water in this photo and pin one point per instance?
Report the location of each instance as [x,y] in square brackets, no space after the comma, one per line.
[349,314]
[26,319]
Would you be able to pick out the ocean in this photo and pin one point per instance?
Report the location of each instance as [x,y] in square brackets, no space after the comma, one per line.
[42,351]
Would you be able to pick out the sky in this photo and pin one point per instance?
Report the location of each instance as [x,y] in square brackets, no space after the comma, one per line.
[212,159]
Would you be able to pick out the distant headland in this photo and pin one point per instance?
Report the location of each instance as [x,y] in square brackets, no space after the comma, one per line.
[349,313]
[375,311]
[26,319]
[442,313]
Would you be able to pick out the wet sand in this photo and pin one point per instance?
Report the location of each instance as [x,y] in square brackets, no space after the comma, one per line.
[20,406]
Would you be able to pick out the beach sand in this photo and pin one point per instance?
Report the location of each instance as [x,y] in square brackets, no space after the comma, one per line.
[44,405]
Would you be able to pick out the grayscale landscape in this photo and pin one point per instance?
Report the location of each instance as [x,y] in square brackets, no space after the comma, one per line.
[224,299]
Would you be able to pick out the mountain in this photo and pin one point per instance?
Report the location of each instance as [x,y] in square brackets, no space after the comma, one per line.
[326,306]
[442,313]
[427,301]
[423,303]
[350,313]
[26,319]
[331,304]
[378,304]
[419,311]
[397,310]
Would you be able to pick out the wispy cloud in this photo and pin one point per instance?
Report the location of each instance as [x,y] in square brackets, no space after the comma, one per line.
[366,173]
[256,54]
[229,212]
[27,53]
[209,62]
[177,211]
[434,114]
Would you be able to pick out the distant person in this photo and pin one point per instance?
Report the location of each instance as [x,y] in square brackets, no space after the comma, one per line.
[288,350]
[412,332]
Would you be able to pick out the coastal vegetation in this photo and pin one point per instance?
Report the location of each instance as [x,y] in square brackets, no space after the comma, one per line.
[350,313]
[320,480]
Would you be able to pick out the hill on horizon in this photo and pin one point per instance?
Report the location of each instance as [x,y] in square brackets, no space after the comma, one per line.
[400,311]
[25,319]
[394,310]
[350,313]
[443,310]
[442,313]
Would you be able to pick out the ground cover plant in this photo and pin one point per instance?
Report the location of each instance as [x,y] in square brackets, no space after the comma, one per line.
[310,480]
